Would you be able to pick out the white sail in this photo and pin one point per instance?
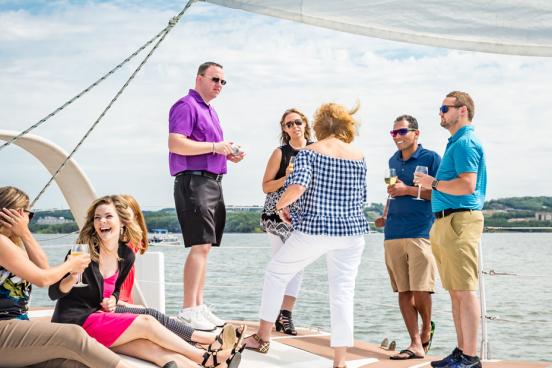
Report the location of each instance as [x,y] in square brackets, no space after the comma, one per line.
[72,181]
[499,26]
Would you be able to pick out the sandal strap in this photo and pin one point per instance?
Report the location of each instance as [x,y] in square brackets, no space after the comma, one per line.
[263,345]
[208,355]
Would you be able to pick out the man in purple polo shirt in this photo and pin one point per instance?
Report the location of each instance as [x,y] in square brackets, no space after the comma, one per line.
[197,160]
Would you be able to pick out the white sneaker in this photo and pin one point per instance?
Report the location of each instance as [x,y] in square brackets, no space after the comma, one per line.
[209,316]
[195,318]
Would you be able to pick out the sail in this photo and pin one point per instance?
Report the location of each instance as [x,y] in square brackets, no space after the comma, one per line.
[499,26]
[72,181]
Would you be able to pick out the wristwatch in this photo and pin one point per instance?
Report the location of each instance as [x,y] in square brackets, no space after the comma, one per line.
[434,184]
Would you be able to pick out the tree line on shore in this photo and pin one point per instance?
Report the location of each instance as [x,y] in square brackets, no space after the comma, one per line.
[505,212]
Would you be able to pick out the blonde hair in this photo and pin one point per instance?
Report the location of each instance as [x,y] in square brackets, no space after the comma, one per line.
[13,198]
[334,119]
[142,246]
[285,138]
[131,232]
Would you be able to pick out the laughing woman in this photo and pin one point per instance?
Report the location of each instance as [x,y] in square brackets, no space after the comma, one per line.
[26,343]
[107,230]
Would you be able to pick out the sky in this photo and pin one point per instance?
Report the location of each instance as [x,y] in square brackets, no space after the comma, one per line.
[49,51]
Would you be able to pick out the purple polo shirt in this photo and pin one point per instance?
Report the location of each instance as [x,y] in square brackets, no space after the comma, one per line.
[192,117]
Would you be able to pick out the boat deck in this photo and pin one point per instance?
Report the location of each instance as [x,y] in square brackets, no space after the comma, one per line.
[311,349]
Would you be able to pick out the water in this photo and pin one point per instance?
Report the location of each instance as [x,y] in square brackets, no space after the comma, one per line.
[234,282]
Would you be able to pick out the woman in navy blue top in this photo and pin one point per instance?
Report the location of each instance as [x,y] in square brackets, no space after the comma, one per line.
[328,187]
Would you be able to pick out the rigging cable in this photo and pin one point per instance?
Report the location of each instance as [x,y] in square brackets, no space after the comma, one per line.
[163,33]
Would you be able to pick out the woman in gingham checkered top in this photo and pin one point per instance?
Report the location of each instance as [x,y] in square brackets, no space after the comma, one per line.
[329,185]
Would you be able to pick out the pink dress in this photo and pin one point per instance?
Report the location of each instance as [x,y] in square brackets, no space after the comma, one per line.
[106,327]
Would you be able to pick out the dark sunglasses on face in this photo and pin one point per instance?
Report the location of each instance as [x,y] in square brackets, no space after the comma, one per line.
[30,213]
[215,79]
[297,122]
[402,131]
[445,108]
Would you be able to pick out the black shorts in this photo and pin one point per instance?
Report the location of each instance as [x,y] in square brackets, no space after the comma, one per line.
[200,209]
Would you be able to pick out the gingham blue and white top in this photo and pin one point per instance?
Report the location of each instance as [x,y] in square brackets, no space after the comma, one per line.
[335,196]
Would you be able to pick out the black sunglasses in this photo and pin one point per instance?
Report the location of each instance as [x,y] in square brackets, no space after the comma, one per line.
[215,79]
[297,122]
[30,213]
[445,108]
[402,131]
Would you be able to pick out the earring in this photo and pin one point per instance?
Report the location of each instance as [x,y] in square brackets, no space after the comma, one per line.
[122,230]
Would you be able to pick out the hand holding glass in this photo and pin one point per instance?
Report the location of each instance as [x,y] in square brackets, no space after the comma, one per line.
[77,250]
[391,179]
[420,170]
[291,162]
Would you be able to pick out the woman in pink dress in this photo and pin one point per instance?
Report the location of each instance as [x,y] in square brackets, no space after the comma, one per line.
[228,337]
[106,231]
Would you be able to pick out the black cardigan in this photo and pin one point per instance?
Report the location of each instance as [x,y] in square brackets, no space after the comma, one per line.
[79,303]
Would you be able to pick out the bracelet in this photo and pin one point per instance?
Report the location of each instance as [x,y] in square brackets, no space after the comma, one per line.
[213,150]
[279,211]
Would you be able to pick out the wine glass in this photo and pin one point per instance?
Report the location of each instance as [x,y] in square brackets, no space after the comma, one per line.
[420,170]
[391,179]
[77,250]
[291,162]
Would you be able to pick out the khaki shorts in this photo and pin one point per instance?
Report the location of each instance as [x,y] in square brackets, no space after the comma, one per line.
[410,264]
[454,240]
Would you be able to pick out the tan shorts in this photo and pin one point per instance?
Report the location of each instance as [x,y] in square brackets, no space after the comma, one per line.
[454,240]
[410,264]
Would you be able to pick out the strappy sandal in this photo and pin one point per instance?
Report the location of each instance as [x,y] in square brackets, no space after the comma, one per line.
[427,345]
[263,345]
[226,339]
[284,323]
[208,355]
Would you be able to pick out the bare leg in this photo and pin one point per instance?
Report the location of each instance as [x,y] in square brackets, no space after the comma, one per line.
[288,303]
[423,302]
[147,327]
[456,317]
[194,275]
[147,350]
[410,317]
[340,354]
[469,320]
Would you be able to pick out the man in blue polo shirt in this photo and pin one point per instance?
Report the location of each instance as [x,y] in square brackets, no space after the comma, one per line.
[408,255]
[458,196]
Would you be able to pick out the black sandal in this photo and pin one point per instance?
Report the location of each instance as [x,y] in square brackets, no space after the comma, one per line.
[284,323]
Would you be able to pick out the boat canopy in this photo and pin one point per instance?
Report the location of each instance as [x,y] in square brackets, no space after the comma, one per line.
[499,26]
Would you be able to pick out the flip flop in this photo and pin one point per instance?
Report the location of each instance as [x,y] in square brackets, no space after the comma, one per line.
[427,345]
[409,355]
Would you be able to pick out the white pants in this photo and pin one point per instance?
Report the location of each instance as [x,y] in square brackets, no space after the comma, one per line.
[294,285]
[343,255]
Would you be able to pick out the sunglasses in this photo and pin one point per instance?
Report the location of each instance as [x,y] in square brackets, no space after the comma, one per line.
[297,122]
[445,108]
[215,79]
[402,131]
[30,213]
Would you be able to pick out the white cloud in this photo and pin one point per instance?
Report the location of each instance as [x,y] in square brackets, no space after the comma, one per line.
[48,56]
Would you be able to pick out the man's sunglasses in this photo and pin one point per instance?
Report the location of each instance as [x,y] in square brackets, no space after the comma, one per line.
[402,131]
[31,214]
[297,122]
[445,108]
[215,79]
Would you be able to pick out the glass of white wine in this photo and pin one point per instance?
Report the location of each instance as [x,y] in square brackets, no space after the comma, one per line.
[420,170]
[77,250]
[291,162]
[391,179]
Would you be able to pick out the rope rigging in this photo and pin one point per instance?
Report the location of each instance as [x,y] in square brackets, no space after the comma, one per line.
[159,37]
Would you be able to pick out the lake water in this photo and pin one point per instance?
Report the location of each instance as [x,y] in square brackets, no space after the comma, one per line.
[522,302]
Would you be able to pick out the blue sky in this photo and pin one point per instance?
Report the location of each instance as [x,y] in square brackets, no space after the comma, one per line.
[51,50]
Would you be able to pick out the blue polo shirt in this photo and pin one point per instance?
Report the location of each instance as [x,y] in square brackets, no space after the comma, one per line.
[406,217]
[464,154]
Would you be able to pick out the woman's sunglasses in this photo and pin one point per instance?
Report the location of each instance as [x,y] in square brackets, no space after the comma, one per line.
[30,213]
[297,122]
[402,131]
